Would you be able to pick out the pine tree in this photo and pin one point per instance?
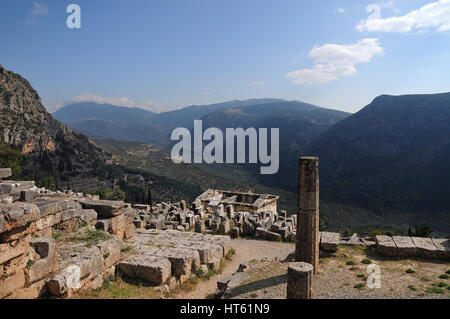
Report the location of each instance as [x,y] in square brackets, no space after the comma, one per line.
[410,232]
[150,199]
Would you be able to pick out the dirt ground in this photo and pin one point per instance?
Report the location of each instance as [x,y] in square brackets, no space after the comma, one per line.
[342,276]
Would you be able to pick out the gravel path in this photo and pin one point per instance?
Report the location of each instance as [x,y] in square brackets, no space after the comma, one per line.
[247,250]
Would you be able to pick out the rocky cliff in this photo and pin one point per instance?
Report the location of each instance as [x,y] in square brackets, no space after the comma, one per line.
[49,147]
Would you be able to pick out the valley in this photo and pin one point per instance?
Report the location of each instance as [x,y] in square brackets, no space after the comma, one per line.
[378,167]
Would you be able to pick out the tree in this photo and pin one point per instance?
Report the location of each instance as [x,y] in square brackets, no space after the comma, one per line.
[10,158]
[347,232]
[423,230]
[149,199]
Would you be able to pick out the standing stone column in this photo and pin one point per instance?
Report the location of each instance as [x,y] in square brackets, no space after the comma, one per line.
[299,281]
[307,241]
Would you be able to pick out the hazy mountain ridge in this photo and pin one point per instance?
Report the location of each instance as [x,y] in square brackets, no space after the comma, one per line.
[392,154]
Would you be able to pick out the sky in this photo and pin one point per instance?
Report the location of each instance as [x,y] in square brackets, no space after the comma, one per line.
[162,55]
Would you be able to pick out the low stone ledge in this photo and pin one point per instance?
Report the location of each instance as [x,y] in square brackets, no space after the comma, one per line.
[104,208]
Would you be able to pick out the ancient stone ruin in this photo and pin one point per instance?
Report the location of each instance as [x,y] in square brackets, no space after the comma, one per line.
[53,244]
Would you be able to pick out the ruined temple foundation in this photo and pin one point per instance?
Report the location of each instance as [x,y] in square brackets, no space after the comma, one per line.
[307,240]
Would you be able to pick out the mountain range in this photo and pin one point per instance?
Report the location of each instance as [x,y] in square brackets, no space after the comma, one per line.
[390,159]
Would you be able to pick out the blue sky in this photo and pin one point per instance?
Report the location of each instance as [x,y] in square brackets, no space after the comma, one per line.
[166,54]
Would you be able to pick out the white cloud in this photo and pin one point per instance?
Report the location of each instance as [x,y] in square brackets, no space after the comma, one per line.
[333,61]
[39,9]
[118,101]
[433,15]
[257,83]
[341,10]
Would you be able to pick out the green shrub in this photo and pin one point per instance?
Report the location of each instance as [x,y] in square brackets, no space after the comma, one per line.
[92,237]
[366,261]
[126,249]
[412,288]
[116,193]
[379,231]
[359,286]
[443,276]
[362,276]
[434,290]
[410,271]
[350,263]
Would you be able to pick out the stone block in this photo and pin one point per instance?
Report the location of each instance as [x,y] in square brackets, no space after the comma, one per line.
[18,233]
[5,188]
[152,269]
[18,215]
[234,233]
[425,247]
[405,246]
[329,241]
[200,227]
[49,206]
[104,209]
[11,283]
[33,291]
[13,265]
[28,195]
[267,235]
[224,227]
[67,227]
[110,250]
[48,221]
[5,173]
[443,247]
[102,225]
[386,245]
[118,226]
[13,249]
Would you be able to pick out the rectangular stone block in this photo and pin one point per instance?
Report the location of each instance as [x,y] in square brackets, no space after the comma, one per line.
[49,206]
[118,226]
[110,250]
[18,233]
[12,283]
[48,221]
[152,269]
[33,291]
[28,195]
[13,265]
[13,249]
[5,188]
[329,241]
[104,209]
[18,215]
[5,173]
[268,235]
[443,247]
[425,247]
[386,245]
[405,246]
